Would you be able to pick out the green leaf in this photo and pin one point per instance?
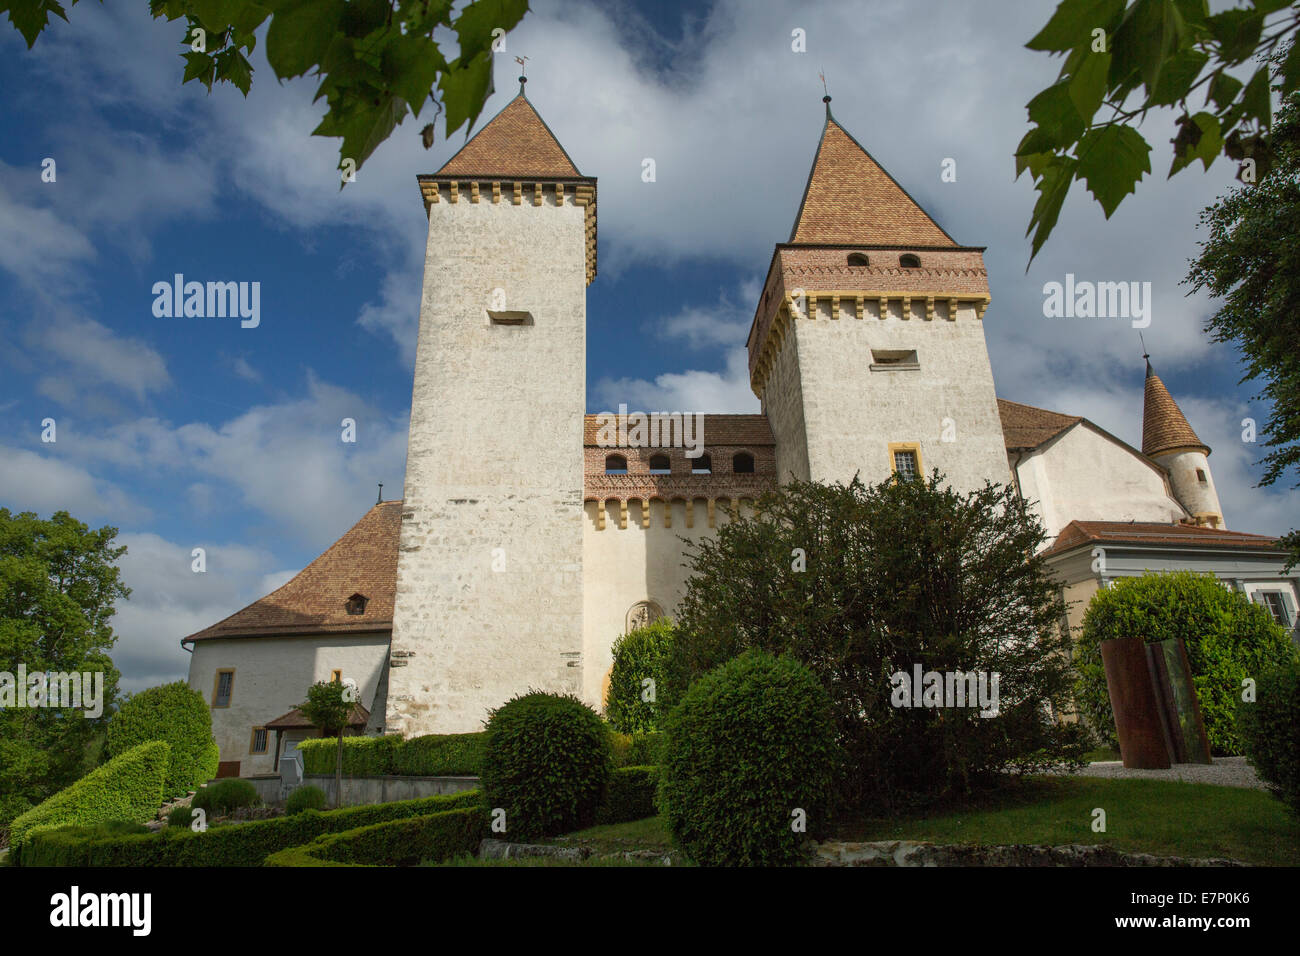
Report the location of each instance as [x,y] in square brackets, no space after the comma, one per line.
[411,65]
[300,34]
[1237,32]
[1053,110]
[1072,24]
[30,17]
[1223,90]
[1290,73]
[464,88]
[1151,33]
[1112,160]
[476,22]
[199,66]
[1199,137]
[1088,85]
[1256,99]
[363,17]
[1053,186]
[234,68]
[363,127]
[1177,77]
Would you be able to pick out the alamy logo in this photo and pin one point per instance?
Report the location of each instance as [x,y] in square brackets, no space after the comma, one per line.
[655,430]
[215,300]
[75,909]
[946,689]
[1098,300]
[54,690]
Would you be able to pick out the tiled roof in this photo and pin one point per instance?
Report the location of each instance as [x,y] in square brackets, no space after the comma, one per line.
[851,200]
[1025,427]
[718,430]
[363,561]
[514,143]
[296,720]
[1157,533]
[1163,425]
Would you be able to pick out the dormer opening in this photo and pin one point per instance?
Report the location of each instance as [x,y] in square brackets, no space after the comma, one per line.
[859,259]
[357,604]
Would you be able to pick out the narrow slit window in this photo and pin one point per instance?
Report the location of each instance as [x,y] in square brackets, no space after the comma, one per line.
[224,688]
[258,744]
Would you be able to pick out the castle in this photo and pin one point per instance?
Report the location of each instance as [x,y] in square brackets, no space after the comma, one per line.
[531,535]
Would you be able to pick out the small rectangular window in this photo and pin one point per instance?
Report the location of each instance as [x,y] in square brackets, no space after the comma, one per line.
[224,687]
[510,318]
[336,677]
[1200,476]
[893,360]
[258,744]
[1272,601]
[905,464]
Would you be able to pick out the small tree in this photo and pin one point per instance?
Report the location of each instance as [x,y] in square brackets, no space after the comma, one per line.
[860,583]
[1228,639]
[640,656]
[328,706]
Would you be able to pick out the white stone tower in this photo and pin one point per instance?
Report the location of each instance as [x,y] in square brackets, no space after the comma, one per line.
[1170,441]
[489,575]
[867,347]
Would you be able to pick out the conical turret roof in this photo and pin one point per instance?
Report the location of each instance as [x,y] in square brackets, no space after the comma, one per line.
[851,200]
[1164,427]
[514,143]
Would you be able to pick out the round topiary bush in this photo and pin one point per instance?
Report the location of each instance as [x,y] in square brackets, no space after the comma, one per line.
[174,713]
[225,795]
[546,763]
[751,744]
[305,798]
[1270,731]
[633,706]
[1227,637]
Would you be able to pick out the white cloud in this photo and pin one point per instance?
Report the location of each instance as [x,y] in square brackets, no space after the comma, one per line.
[94,355]
[44,483]
[692,391]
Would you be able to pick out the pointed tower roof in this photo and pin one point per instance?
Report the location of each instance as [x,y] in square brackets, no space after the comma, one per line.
[514,143]
[1164,427]
[851,200]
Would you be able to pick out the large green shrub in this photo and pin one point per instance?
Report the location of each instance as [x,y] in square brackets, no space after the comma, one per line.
[436,836]
[433,755]
[1228,639]
[174,713]
[128,787]
[860,583]
[225,795]
[244,844]
[640,658]
[305,798]
[1269,729]
[749,757]
[635,750]
[630,795]
[546,764]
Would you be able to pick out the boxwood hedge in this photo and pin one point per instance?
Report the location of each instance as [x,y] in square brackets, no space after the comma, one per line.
[244,844]
[434,755]
[436,836]
[129,787]
[630,795]
[177,714]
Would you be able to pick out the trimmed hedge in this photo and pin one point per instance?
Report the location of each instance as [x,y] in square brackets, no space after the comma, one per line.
[547,763]
[639,655]
[178,715]
[630,795]
[305,798]
[636,750]
[242,844]
[1270,732]
[437,836]
[752,743]
[225,795]
[434,755]
[128,787]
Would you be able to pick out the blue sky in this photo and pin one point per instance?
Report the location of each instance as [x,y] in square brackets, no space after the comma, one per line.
[193,432]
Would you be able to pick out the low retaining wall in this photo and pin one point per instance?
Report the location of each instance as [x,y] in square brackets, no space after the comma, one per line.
[908,853]
[364,790]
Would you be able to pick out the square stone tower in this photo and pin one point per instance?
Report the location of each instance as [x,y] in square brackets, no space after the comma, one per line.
[489,576]
[867,347]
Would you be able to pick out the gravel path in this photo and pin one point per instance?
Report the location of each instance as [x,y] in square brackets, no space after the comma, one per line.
[1224,772]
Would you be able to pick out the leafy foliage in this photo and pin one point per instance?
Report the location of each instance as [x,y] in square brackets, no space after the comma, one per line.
[630,795]
[1227,637]
[1251,261]
[436,836]
[546,764]
[246,844]
[749,748]
[226,795]
[181,817]
[59,581]
[376,60]
[432,755]
[305,798]
[128,787]
[638,656]
[174,713]
[636,750]
[897,574]
[1269,730]
[1124,58]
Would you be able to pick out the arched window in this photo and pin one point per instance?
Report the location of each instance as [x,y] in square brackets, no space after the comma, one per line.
[858,259]
[660,465]
[615,465]
[743,463]
[702,465]
[909,261]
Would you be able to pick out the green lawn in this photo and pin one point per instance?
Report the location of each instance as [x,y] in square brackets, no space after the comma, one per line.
[1101,754]
[1143,816]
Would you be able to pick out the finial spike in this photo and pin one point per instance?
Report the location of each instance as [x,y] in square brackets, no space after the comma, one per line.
[380,499]
[523,70]
[827,97]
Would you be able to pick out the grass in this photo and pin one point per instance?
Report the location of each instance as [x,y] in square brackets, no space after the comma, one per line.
[1142,816]
[1101,754]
